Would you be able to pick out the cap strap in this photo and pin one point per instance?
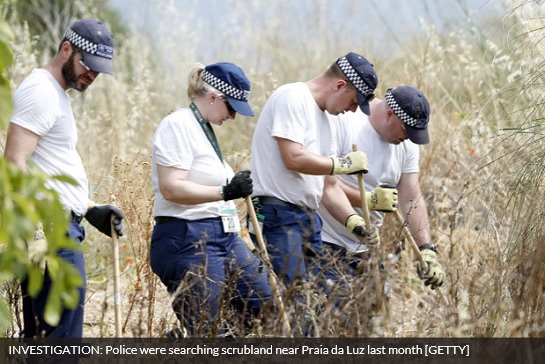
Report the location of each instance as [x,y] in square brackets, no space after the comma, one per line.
[353,76]
[87,46]
[400,113]
[224,87]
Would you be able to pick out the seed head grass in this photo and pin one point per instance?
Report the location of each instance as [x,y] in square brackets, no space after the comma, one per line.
[481,176]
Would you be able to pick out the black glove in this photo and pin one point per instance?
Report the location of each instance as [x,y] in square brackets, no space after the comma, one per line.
[240,186]
[100,216]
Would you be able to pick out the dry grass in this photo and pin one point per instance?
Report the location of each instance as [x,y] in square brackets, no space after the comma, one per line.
[481,177]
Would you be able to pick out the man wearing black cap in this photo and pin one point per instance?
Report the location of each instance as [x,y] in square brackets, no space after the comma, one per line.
[292,152]
[393,161]
[42,129]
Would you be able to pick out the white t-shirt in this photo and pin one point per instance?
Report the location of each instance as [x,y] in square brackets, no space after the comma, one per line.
[42,106]
[180,142]
[290,113]
[386,164]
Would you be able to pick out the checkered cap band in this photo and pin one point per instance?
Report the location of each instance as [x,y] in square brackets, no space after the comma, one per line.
[224,87]
[353,76]
[84,44]
[400,113]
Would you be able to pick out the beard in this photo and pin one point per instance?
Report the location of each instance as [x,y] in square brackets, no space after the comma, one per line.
[68,72]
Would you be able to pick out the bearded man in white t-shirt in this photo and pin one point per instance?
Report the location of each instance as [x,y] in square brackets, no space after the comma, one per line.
[43,131]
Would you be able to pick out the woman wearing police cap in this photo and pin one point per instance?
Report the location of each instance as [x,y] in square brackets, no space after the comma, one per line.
[195,248]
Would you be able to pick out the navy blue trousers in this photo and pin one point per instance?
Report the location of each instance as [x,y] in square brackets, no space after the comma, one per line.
[197,262]
[71,322]
[294,241]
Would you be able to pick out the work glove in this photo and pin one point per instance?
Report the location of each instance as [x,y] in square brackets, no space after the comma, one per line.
[382,198]
[432,274]
[352,163]
[37,247]
[356,225]
[100,217]
[240,186]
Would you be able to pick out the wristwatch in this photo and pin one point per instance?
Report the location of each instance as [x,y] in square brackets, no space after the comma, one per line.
[427,246]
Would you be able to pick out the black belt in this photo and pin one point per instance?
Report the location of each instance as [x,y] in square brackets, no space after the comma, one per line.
[270,200]
[77,218]
[163,219]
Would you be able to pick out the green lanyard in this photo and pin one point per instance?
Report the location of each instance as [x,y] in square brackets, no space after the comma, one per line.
[207,128]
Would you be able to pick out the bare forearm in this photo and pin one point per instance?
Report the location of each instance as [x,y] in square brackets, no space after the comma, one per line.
[418,220]
[353,194]
[190,193]
[297,159]
[335,201]
[308,163]
[20,144]
[19,162]
[413,206]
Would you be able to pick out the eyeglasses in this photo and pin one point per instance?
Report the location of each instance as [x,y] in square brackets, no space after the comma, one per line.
[84,65]
[81,61]
[228,105]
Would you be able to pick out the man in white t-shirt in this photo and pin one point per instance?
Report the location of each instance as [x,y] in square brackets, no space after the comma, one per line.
[42,129]
[293,149]
[393,161]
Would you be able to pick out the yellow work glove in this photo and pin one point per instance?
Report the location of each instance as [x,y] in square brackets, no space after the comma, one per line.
[352,163]
[356,225]
[382,198]
[432,274]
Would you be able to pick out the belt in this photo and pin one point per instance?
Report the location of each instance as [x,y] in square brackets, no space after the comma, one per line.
[164,219]
[77,218]
[270,200]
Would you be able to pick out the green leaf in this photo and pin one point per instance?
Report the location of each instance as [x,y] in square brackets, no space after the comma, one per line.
[35,280]
[6,59]
[70,298]
[6,34]
[53,307]
[6,105]
[65,179]
[5,314]
[73,276]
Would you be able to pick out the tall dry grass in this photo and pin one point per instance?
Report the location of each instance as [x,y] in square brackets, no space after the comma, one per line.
[481,174]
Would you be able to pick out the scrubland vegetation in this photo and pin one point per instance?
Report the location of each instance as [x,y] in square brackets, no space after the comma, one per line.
[481,174]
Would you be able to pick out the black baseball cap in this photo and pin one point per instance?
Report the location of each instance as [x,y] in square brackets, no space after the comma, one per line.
[361,73]
[411,106]
[232,82]
[95,41]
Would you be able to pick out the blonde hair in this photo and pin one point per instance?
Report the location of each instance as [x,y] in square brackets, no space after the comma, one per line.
[196,86]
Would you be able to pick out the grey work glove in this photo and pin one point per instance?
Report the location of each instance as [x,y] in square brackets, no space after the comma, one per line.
[100,217]
[240,186]
[352,163]
[432,274]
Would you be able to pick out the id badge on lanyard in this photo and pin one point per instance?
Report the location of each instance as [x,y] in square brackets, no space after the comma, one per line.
[229,217]
[228,209]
